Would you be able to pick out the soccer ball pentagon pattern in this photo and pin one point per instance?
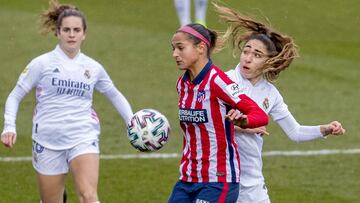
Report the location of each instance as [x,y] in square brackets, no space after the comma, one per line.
[148,130]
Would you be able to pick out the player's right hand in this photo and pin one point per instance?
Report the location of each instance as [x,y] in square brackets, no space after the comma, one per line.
[8,139]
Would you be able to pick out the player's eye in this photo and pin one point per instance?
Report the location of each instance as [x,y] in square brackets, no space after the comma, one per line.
[257,55]
[66,29]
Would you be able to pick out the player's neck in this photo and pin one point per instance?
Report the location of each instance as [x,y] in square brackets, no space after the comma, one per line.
[197,68]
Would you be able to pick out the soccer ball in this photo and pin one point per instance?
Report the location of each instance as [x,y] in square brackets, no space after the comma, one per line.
[148,130]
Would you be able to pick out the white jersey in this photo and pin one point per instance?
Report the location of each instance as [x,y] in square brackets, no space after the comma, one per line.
[63,116]
[250,146]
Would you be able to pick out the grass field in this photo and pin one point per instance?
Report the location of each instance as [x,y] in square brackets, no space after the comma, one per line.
[132,40]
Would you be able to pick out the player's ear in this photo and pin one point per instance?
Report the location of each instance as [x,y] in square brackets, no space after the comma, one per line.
[84,36]
[202,47]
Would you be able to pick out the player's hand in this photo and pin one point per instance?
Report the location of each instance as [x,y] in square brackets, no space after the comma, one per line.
[8,139]
[237,118]
[334,128]
[259,131]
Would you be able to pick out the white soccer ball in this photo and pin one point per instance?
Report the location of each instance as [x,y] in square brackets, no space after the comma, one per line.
[148,130]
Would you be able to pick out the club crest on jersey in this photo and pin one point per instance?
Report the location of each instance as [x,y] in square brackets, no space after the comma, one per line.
[87,74]
[234,90]
[200,96]
[266,103]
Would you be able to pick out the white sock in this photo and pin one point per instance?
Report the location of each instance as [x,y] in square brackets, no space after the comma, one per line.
[200,10]
[183,11]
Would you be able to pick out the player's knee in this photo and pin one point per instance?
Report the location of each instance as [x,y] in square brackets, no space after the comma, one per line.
[88,196]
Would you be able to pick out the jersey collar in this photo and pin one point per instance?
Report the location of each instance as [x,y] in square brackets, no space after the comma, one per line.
[201,75]
[59,51]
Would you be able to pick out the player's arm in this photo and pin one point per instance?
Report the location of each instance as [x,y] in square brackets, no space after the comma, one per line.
[255,131]
[256,117]
[253,116]
[234,114]
[8,136]
[120,103]
[302,133]
[106,87]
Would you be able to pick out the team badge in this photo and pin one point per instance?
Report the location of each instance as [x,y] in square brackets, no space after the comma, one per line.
[266,103]
[87,74]
[200,96]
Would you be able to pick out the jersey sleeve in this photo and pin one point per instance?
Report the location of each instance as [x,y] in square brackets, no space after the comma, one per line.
[297,132]
[120,103]
[280,109]
[30,75]
[104,83]
[230,93]
[11,108]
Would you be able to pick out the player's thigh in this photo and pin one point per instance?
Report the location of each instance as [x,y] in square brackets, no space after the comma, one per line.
[49,162]
[84,165]
[218,192]
[181,192]
[255,193]
[51,187]
[51,167]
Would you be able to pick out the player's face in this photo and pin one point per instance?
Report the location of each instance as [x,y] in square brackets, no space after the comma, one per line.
[252,60]
[71,34]
[185,53]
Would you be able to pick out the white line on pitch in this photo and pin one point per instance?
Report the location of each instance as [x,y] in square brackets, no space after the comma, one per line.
[176,155]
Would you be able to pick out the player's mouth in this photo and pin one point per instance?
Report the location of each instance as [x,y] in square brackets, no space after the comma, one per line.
[246,67]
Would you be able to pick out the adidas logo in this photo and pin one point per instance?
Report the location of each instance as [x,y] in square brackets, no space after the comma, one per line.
[56,70]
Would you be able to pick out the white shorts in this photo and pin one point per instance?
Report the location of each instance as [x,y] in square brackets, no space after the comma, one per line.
[253,194]
[56,162]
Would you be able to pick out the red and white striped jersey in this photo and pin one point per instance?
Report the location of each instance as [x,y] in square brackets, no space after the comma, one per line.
[210,153]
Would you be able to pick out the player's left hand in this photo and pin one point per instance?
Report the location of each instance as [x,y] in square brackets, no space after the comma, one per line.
[237,118]
[334,128]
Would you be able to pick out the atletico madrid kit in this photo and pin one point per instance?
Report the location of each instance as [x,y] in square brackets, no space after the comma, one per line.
[210,152]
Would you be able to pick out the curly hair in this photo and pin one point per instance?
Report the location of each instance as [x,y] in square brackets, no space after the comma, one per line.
[282,49]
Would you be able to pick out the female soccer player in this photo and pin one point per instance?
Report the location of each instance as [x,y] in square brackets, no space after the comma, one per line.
[65,127]
[183,10]
[264,53]
[209,169]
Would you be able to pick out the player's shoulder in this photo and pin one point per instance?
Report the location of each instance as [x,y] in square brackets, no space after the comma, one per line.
[230,72]
[270,87]
[272,90]
[40,60]
[90,62]
[217,72]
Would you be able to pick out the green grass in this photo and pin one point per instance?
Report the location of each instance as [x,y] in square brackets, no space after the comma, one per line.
[132,40]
